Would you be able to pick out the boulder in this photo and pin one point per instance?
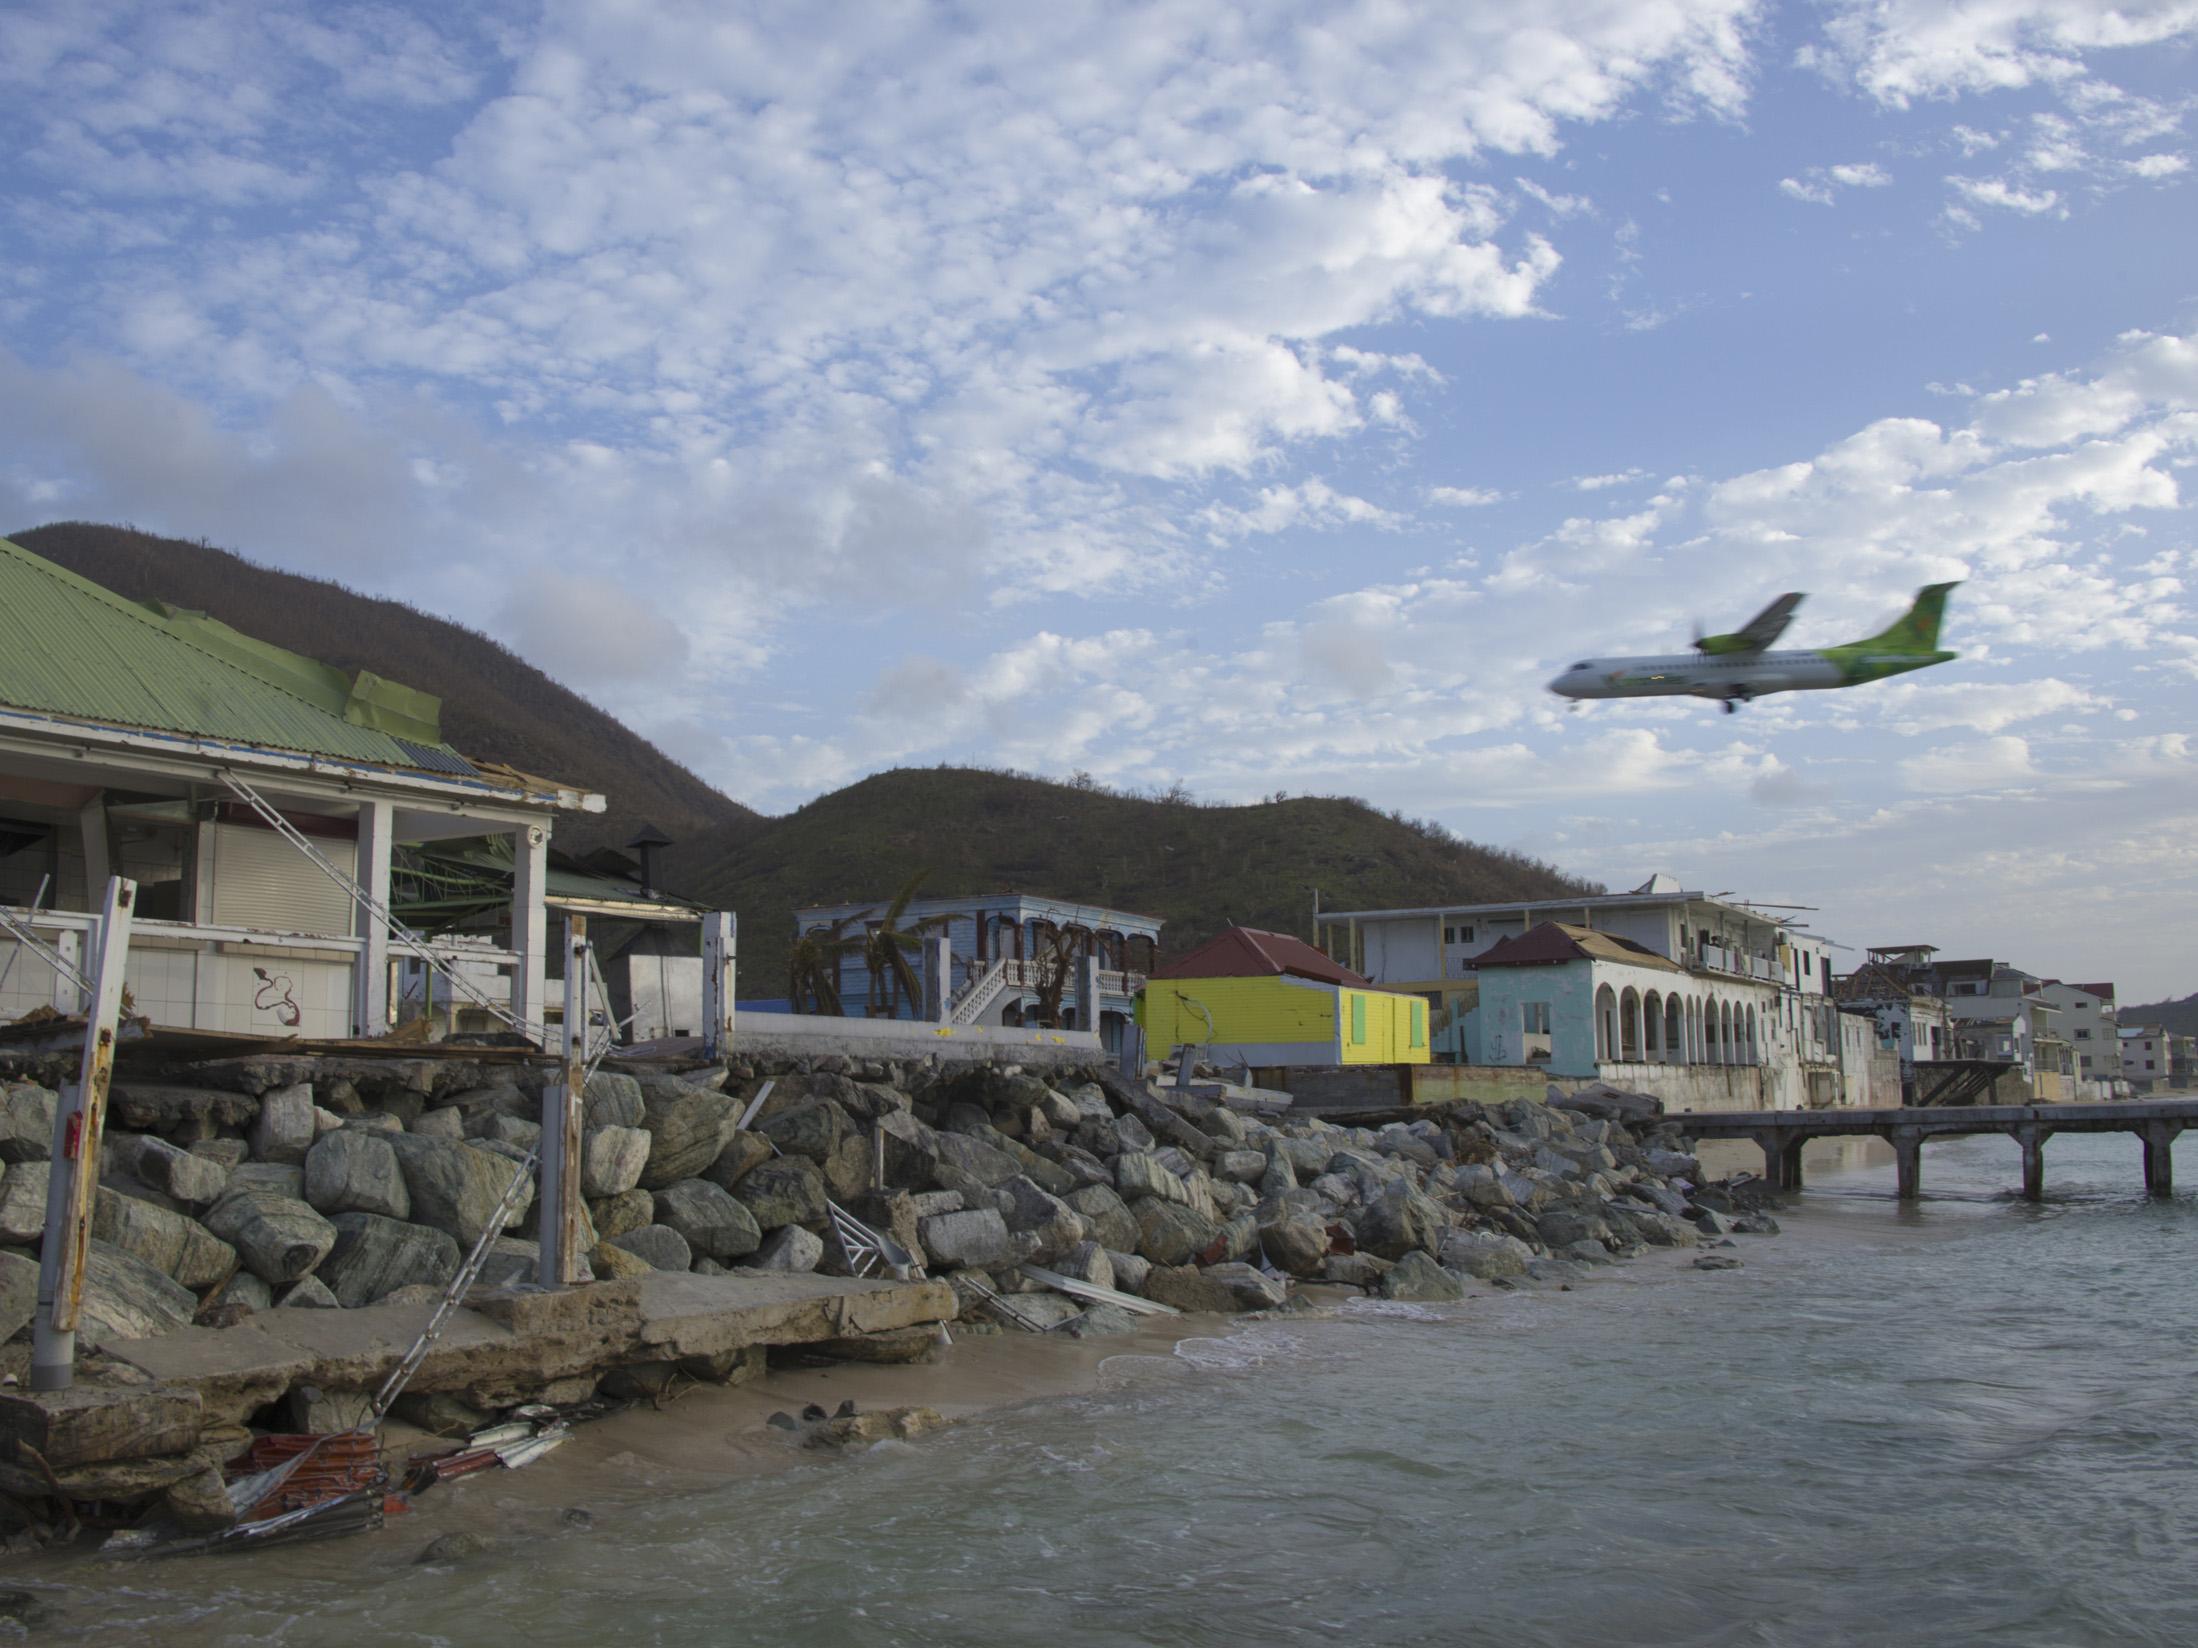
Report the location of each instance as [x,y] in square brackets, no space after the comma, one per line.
[514,1130]
[446,1123]
[783,1191]
[789,1248]
[1485,1255]
[26,1122]
[612,1263]
[1130,1270]
[309,1293]
[278,1238]
[1399,1220]
[126,1298]
[286,1129]
[1087,1261]
[710,1220]
[659,1246]
[688,1127]
[813,1130]
[375,1255]
[1106,1217]
[1169,1233]
[984,1162]
[1226,1288]
[229,1154]
[615,1215]
[978,1236]
[355,1171]
[456,1187]
[612,1159]
[1417,1277]
[1294,1241]
[267,1179]
[1139,1174]
[743,1154]
[1242,1166]
[1100,1320]
[173,1243]
[191,1181]
[18,1293]
[23,1201]
[1028,1209]
[612,1100]
[1480,1185]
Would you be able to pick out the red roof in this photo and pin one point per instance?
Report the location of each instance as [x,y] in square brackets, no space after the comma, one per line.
[1248,952]
[1554,942]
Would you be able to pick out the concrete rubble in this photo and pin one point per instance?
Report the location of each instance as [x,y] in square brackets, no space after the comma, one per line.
[237,1195]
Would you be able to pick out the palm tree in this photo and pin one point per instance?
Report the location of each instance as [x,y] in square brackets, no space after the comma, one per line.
[814,968]
[887,947]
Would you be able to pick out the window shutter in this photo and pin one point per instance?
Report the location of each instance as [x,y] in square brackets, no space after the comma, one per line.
[261,881]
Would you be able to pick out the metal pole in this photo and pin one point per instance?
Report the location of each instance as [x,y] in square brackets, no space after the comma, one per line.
[73,1179]
[558,1227]
[720,951]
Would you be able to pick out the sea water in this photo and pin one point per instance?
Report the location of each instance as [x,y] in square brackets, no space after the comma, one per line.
[1968,1422]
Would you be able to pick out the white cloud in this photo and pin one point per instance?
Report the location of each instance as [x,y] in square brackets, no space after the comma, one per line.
[1899,51]
[1997,191]
[2156,166]
[1956,769]
[1313,504]
[1464,497]
[1599,483]
[1861,175]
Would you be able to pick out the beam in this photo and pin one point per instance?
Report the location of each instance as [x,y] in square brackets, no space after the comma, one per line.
[558,1229]
[72,1179]
[720,959]
[529,924]
[370,984]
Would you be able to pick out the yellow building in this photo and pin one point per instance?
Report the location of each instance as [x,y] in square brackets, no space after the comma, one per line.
[1267,999]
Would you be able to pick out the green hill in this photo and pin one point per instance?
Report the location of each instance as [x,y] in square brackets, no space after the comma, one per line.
[496,706]
[2176,1017]
[1197,867]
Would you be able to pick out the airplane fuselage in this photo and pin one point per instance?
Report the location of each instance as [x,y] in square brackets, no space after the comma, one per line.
[1734,678]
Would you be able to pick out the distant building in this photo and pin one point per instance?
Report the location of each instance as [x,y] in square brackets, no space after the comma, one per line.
[1269,1001]
[2148,1057]
[1744,1021]
[1001,950]
[2089,1024]
[1911,1023]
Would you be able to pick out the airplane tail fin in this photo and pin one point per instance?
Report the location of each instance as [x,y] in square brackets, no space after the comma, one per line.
[1917,629]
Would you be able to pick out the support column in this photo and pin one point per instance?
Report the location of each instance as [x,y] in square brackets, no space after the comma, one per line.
[938,977]
[72,1178]
[1776,1162]
[91,824]
[2160,1140]
[2032,1138]
[720,955]
[1908,1162]
[529,923]
[370,986]
[1087,992]
[557,1230]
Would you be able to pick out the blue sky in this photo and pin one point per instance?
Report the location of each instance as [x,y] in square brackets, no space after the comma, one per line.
[1261,398]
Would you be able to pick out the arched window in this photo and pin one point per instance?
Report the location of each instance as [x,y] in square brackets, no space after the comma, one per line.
[1606,1024]
[1652,1027]
[1629,1025]
[1675,1031]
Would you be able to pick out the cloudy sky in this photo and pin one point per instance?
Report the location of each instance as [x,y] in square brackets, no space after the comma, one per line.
[1262,398]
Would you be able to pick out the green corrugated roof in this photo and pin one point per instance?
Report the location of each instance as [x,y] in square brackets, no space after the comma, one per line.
[70,648]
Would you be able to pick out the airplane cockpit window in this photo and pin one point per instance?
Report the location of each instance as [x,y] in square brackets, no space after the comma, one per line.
[1581,665]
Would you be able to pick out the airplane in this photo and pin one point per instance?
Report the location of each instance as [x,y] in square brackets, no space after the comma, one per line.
[1741,666]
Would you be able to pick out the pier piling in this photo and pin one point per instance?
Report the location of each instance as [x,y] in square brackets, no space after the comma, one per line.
[1908,1162]
[2032,1140]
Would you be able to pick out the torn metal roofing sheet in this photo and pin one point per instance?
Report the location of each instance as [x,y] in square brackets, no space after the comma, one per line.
[1561,941]
[70,648]
[1251,952]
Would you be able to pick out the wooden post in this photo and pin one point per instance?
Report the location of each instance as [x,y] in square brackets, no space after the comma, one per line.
[720,953]
[1908,1162]
[73,1177]
[558,1227]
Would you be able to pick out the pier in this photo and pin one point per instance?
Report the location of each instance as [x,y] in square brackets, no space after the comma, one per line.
[1782,1133]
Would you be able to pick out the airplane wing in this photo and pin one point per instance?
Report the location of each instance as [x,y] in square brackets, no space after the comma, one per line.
[1758,632]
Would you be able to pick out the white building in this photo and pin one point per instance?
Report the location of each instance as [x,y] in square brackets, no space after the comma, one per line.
[2089,1024]
[1736,964]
